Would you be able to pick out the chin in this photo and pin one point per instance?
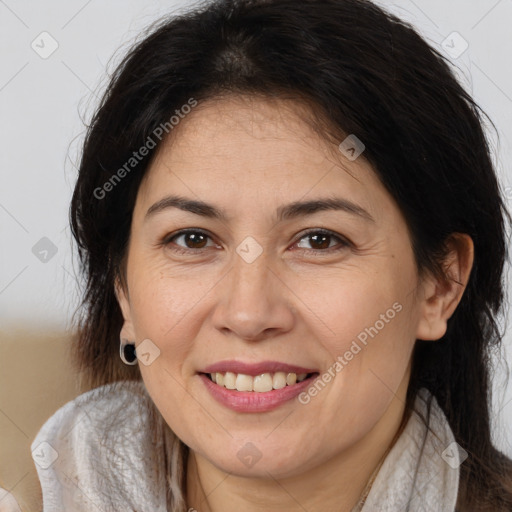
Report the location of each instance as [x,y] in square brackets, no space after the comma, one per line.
[259,459]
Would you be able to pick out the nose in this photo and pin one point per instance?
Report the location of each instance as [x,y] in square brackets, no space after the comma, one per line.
[254,302]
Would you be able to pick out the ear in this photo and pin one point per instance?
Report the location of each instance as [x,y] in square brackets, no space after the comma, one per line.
[440,297]
[127,331]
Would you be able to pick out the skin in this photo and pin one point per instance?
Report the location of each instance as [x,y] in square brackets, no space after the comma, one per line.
[295,303]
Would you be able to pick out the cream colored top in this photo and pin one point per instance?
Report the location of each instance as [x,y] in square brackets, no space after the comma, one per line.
[95,454]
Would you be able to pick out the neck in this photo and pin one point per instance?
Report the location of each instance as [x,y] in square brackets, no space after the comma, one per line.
[337,484]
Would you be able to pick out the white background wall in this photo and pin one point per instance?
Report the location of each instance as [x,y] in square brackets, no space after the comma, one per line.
[41,130]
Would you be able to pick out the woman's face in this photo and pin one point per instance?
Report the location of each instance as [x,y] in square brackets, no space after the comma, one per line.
[264,286]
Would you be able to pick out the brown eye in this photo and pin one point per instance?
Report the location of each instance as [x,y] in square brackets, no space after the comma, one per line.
[321,240]
[188,240]
[194,240]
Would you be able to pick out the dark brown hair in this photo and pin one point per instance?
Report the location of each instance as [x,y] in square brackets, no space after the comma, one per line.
[369,74]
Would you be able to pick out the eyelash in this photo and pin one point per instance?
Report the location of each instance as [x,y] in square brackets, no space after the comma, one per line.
[343,242]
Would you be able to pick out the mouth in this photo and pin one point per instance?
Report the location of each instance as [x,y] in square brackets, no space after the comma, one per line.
[262,383]
[256,388]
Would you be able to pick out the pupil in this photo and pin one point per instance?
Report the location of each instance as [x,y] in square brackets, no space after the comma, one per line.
[322,244]
[193,238]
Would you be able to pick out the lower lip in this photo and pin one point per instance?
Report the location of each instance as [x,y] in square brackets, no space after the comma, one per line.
[251,401]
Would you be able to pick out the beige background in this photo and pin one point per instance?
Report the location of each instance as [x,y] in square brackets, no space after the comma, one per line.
[36,379]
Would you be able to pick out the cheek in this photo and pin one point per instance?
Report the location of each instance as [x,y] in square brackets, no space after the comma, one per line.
[372,323]
[369,307]
[163,305]
[163,311]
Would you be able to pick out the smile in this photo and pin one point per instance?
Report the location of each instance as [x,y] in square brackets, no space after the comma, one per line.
[255,388]
[259,383]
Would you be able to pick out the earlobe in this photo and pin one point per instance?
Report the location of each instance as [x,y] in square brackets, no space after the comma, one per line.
[127,331]
[441,296]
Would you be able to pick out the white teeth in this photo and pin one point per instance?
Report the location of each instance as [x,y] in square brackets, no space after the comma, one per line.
[262,383]
[291,379]
[244,382]
[279,380]
[230,380]
[259,384]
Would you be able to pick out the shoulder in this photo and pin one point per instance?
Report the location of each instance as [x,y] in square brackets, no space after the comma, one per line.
[95,450]
[420,471]
[96,411]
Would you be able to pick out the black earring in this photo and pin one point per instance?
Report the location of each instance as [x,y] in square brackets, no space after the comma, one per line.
[127,352]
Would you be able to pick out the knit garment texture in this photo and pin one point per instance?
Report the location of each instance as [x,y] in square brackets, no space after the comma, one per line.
[96,453]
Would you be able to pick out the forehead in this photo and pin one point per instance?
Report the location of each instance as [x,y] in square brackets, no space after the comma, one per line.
[252,146]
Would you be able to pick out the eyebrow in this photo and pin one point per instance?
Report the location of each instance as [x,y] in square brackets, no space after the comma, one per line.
[286,212]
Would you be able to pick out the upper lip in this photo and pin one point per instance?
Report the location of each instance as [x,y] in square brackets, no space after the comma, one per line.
[254,369]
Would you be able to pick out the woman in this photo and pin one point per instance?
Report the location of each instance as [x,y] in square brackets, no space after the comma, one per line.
[293,239]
